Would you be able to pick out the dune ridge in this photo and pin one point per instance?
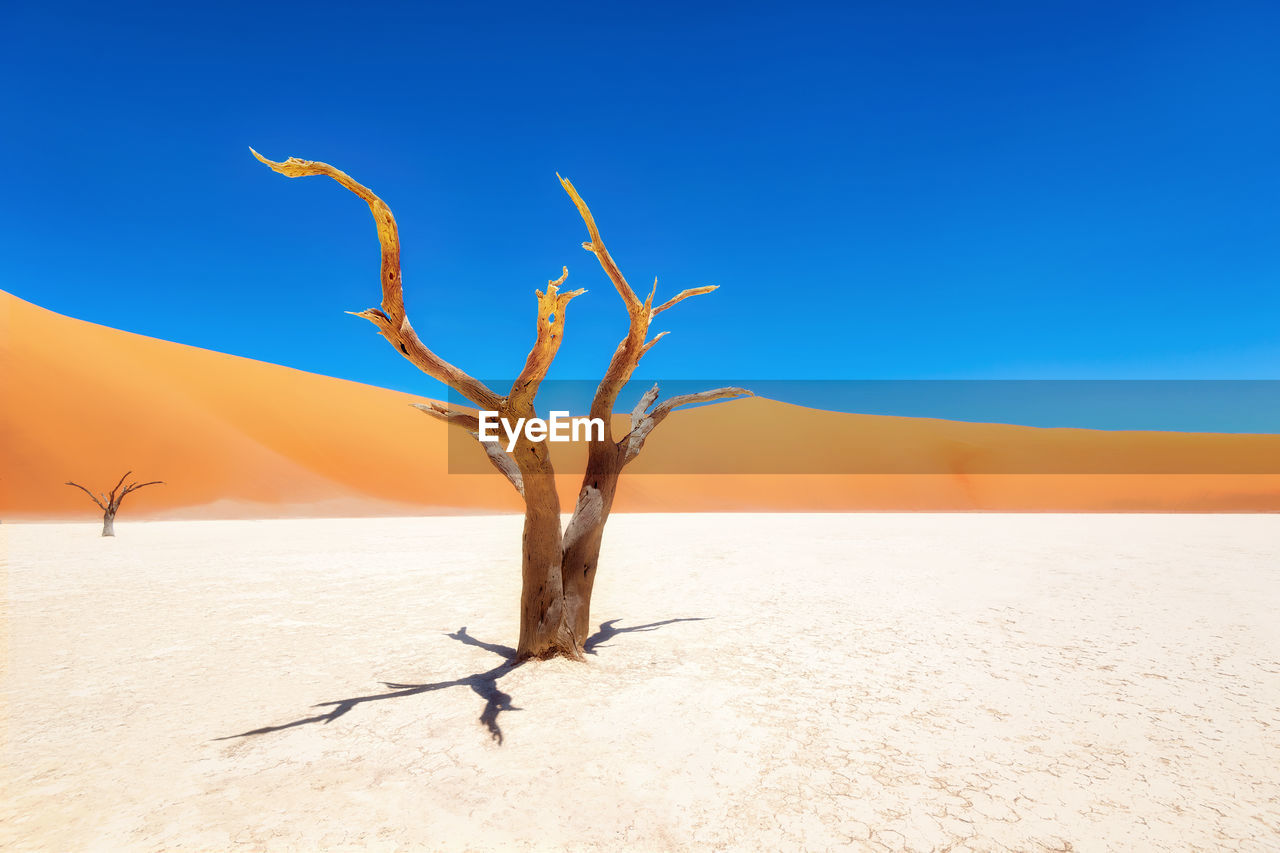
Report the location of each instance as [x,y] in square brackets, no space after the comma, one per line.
[237,438]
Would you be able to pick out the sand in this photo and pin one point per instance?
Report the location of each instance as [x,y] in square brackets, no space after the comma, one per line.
[236,438]
[899,682]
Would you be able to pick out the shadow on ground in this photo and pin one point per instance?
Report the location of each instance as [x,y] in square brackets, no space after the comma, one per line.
[483,684]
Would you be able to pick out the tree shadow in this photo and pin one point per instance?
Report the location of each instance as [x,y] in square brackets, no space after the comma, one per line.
[607,631]
[483,684]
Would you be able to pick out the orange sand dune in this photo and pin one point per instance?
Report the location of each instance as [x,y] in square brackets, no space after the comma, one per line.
[232,437]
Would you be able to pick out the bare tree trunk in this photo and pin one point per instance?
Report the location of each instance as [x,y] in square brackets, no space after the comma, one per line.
[109,523]
[585,534]
[543,631]
[580,560]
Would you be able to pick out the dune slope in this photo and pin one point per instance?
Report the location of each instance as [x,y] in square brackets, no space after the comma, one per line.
[232,437]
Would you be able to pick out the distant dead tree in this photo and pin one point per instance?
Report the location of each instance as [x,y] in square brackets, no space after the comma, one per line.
[559,567]
[110,503]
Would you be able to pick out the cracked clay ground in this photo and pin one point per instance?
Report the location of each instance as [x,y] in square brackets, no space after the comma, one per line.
[878,682]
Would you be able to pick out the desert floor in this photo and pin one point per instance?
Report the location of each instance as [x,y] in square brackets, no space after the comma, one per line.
[762,682]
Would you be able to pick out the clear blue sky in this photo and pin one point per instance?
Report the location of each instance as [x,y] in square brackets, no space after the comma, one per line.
[883,190]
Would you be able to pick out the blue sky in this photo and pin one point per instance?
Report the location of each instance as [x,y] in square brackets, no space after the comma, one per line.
[883,191]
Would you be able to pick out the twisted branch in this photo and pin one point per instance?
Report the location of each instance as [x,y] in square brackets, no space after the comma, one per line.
[91,495]
[390,319]
[114,503]
[551,307]
[634,346]
[627,355]
[597,247]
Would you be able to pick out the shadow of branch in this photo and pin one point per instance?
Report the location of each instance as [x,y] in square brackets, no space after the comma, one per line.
[607,631]
[483,684]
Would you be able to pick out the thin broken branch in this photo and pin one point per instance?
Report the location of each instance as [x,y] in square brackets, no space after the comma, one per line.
[633,443]
[682,296]
[713,396]
[502,461]
[650,344]
[499,458]
[640,411]
[114,502]
[133,487]
[450,415]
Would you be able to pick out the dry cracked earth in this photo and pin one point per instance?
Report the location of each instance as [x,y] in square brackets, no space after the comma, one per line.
[781,682]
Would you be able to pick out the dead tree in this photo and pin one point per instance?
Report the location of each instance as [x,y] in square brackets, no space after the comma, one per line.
[110,503]
[559,567]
